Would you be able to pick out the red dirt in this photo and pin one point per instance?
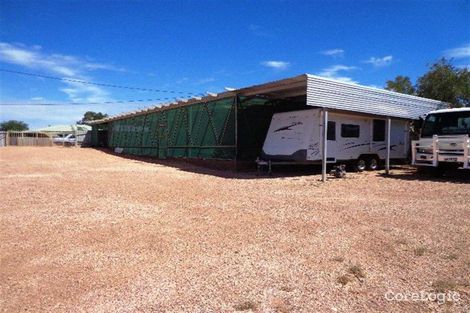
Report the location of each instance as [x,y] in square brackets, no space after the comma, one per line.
[83,230]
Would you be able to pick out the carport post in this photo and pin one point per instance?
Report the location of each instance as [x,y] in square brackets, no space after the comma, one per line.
[325,132]
[235,104]
[387,160]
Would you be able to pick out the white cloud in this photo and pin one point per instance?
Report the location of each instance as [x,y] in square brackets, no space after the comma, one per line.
[380,62]
[333,72]
[33,57]
[458,53]
[85,93]
[336,53]
[278,65]
[67,66]
[36,99]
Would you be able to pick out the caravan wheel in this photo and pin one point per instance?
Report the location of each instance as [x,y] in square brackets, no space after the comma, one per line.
[360,165]
[373,164]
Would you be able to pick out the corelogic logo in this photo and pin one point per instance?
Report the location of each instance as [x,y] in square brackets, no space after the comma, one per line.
[439,297]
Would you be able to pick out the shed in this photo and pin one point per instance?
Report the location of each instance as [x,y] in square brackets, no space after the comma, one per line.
[232,125]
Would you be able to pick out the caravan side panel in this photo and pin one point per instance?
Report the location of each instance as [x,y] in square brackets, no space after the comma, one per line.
[296,136]
[354,135]
[290,135]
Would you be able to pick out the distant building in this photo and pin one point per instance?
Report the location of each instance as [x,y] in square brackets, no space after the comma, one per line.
[56,130]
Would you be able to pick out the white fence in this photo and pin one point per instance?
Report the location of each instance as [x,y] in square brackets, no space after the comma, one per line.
[42,139]
[25,139]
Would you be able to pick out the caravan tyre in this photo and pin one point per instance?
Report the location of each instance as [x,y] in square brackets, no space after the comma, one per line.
[360,165]
[373,164]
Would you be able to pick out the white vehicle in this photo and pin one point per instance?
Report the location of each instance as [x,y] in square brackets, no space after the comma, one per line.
[444,140]
[67,140]
[296,136]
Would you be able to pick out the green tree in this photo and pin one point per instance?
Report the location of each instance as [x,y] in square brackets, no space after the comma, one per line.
[13,125]
[401,84]
[92,116]
[446,83]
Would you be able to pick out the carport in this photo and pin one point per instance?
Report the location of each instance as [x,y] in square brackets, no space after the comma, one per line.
[232,125]
[336,96]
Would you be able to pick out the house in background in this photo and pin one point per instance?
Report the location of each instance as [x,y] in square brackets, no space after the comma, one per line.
[60,132]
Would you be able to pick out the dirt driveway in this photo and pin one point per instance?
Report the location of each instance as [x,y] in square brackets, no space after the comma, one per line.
[83,230]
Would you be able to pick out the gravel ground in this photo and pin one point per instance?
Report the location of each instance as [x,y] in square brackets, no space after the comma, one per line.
[84,230]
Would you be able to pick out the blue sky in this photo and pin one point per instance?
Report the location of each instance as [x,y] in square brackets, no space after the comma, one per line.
[201,46]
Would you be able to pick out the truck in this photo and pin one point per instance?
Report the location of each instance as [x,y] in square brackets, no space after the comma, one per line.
[444,141]
[356,139]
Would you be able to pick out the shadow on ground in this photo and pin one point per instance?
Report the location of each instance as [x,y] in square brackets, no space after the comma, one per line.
[249,172]
[410,173]
[405,172]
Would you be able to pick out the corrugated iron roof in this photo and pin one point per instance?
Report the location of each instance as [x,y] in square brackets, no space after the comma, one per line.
[64,128]
[320,92]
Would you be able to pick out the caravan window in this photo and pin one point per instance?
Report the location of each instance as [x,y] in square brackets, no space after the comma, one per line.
[350,131]
[331,131]
[378,132]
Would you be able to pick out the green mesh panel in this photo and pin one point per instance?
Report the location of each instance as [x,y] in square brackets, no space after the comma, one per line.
[94,135]
[202,130]
[254,118]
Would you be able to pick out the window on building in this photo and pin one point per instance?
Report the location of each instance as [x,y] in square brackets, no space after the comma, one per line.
[331,131]
[378,132]
[350,131]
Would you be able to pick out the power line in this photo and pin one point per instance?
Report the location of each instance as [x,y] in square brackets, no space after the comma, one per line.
[88,103]
[96,84]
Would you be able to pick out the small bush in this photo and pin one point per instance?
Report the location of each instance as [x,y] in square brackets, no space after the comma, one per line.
[245,306]
[450,256]
[338,259]
[420,251]
[357,271]
[443,285]
[401,241]
[343,279]
[286,288]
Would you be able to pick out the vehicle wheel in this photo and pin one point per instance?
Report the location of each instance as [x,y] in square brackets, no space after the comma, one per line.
[360,165]
[373,164]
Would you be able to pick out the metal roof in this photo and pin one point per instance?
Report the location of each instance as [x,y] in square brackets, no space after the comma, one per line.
[328,93]
[64,128]
[450,110]
[320,92]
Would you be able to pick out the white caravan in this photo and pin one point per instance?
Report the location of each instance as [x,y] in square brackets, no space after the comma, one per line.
[296,136]
[444,140]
